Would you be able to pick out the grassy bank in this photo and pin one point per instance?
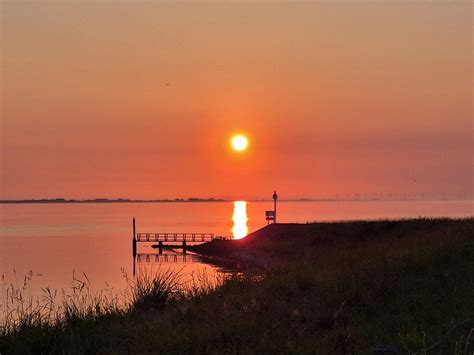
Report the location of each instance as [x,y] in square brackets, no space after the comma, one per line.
[324,288]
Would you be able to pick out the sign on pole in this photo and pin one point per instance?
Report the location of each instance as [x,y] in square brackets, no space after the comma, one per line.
[270,215]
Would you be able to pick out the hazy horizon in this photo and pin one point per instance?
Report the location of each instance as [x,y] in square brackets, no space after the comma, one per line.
[337,197]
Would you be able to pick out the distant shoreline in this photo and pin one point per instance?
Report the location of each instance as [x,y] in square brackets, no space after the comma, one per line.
[101,200]
[194,200]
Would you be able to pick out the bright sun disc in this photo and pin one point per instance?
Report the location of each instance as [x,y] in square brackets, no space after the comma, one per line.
[239,142]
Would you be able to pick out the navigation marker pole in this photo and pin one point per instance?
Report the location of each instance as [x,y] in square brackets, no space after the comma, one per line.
[275,198]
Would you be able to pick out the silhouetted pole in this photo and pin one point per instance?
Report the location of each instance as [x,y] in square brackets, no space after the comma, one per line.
[275,198]
[134,262]
[134,240]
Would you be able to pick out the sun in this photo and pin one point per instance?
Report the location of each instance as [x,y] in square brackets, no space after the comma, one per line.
[239,142]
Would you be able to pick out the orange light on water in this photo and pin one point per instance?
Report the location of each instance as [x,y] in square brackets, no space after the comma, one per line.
[240,228]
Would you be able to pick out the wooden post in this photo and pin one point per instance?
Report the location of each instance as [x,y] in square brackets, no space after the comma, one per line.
[160,247]
[184,246]
[134,263]
[134,240]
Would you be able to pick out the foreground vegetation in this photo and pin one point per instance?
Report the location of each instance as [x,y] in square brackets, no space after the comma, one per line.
[353,287]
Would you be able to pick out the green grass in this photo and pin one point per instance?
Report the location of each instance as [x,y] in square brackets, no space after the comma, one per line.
[342,288]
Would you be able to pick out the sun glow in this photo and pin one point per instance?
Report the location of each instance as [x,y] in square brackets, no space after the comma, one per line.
[239,142]
[240,229]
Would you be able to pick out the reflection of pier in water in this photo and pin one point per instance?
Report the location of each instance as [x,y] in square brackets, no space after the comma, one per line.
[165,258]
[158,258]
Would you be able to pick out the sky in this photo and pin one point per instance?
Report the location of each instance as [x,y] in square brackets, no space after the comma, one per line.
[140,99]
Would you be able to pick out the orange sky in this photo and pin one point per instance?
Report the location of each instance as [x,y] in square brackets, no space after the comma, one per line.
[336,97]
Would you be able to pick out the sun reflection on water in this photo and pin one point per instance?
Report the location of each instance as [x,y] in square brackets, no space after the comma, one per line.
[240,228]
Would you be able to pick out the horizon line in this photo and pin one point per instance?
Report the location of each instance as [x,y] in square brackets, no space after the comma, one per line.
[212,199]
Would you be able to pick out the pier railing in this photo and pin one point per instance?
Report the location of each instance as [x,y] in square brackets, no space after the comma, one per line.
[175,237]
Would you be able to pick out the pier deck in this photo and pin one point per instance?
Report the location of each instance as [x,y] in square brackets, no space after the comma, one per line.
[175,237]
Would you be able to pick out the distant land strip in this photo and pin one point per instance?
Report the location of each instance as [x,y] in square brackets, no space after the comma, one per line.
[106,200]
[194,199]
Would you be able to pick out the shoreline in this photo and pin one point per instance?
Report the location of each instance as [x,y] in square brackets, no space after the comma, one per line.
[346,287]
[257,250]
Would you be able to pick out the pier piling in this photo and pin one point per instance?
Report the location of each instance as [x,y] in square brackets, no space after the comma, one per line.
[134,240]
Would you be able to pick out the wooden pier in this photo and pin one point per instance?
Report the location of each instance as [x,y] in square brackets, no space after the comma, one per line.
[175,237]
[161,238]
[172,240]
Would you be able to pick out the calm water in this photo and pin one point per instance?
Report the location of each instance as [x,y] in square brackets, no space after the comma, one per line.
[52,240]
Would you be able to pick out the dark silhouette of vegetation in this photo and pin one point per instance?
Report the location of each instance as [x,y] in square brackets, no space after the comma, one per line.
[352,287]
